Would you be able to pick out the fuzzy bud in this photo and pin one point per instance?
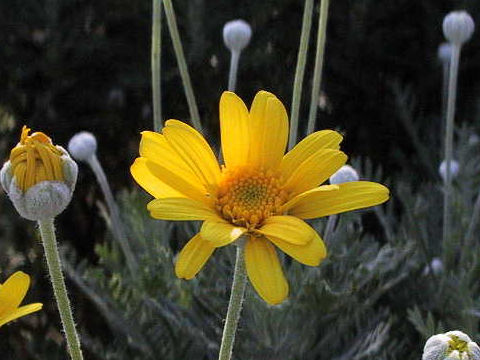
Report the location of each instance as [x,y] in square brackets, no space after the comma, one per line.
[345,174]
[444,52]
[82,146]
[39,178]
[454,168]
[458,27]
[236,35]
[453,345]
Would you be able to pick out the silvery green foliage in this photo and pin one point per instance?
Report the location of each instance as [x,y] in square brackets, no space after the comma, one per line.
[370,299]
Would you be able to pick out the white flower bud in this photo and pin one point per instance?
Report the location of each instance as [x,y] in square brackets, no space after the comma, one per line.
[82,146]
[454,168]
[436,266]
[345,174]
[39,178]
[444,52]
[458,27]
[236,35]
[453,345]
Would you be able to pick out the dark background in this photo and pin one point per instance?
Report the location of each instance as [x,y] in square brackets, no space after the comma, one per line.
[67,66]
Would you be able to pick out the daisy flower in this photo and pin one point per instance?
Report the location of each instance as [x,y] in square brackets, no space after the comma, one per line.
[260,193]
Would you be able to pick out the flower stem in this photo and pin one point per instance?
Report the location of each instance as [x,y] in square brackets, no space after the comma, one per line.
[47,232]
[332,219]
[232,74]
[300,71]
[156,62]
[182,63]
[117,226]
[235,305]
[449,245]
[317,73]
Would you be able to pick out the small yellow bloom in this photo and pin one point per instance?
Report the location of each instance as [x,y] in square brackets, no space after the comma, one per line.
[12,293]
[259,192]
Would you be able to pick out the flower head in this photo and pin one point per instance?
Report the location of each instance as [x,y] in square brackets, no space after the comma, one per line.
[12,293]
[236,35]
[39,177]
[82,146]
[458,27]
[453,345]
[259,193]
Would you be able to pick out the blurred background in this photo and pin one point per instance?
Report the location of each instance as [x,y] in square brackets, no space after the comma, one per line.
[73,65]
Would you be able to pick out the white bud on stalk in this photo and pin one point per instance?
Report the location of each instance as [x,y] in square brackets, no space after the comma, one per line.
[82,146]
[454,169]
[345,174]
[458,27]
[236,35]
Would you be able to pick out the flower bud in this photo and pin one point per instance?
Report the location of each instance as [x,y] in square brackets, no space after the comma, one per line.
[82,146]
[458,27]
[444,52]
[236,35]
[449,346]
[39,177]
[345,174]
[454,168]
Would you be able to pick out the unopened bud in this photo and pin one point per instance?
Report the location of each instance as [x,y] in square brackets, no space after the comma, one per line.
[345,174]
[449,346]
[82,146]
[458,27]
[236,35]
[444,52]
[39,177]
[454,168]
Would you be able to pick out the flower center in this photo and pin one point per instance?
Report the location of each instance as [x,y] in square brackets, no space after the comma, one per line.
[35,159]
[247,197]
[457,344]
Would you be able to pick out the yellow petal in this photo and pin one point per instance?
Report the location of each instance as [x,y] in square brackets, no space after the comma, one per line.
[324,139]
[152,184]
[185,185]
[264,270]
[234,125]
[334,199]
[288,228]
[194,150]
[220,233]
[180,209]
[310,254]
[193,257]
[13,291]
[268,129]
[19,312]
[314,170]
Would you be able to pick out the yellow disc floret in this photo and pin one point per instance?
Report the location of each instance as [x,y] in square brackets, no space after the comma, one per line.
[457,344]
[35,159]
[247,197]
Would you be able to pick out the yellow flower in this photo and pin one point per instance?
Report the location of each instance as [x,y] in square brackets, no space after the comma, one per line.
[12,293]
[259,192]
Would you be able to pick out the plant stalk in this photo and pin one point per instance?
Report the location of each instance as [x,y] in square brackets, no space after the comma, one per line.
[232,74]
[117,226]
[182,63]
[234,305]
[317,73]
[300,71]
[47,232]
[449,244]
[156,64]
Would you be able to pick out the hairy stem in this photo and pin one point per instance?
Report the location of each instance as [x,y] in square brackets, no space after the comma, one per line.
[300,71]
[235,305]
[47,232]
[156,64]
[317,73]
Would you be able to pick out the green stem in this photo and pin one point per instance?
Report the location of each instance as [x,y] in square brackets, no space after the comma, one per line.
[317,73]
[235,305]
[47,232]
[299,71]
[156,64]
[449,244]
[182,64]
